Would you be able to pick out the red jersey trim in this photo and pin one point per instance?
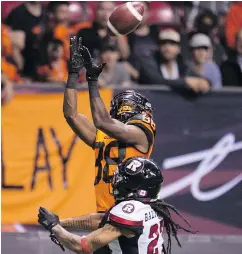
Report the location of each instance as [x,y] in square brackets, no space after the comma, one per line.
[119,220]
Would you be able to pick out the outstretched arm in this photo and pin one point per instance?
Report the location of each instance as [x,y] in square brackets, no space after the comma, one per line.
[91,242]
[75,243]
[101,118]
[83,128]
[85,222]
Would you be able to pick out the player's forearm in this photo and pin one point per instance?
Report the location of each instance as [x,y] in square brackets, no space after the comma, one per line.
[85,222]
[93,241]
[81,126]
[100,114]
[69,240]
[70,97]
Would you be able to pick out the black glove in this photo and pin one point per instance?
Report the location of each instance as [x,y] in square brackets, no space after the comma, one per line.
[47,219]
[76,59]
[93,70]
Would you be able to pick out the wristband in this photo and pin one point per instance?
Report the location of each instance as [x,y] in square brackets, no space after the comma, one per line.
[84,245]
[93,89]
[72,79]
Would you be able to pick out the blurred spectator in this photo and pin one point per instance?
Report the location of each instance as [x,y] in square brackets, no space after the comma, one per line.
[6,89]
[56,68]
[9,66]
[165,67]
[78,16]
[23,20]
[200,45]
[114,72]
[162,64]
[233,23]
[58,13]
[12,44]
[207,23]
[56,28]
[169,51]
[217,7]
[144,40]
[10,70]
[93,36]
[232,68]
[7,47]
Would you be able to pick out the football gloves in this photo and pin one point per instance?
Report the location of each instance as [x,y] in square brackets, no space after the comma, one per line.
[80,57]
[48,220]
[93,70]
[76,59]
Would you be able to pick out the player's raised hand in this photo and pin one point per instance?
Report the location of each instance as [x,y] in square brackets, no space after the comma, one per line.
[93,70]
[76,59]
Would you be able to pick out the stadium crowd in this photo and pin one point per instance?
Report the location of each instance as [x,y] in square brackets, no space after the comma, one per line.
[193,44]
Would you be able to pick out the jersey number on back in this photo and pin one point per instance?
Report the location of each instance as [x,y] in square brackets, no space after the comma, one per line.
[155,232]
[109,161]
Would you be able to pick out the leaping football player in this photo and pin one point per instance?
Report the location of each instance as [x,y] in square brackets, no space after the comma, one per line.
[136,220]
[127,130]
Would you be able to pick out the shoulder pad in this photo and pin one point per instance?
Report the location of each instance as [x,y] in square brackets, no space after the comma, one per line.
[144,119]
[145,123]
[127,213]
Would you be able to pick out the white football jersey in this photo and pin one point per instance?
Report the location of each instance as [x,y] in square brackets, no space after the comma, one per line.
[141,219]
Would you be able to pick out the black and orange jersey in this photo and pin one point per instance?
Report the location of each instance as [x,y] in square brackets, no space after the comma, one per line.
[109,152]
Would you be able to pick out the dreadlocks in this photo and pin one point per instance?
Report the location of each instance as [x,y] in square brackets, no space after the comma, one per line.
[163,211]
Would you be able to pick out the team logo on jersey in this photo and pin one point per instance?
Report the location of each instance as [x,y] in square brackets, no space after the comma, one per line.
[128,208]
[134,167]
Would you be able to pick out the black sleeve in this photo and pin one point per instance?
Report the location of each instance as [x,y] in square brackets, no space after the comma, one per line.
[14,19]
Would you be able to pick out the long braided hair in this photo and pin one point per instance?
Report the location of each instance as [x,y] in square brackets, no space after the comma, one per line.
[163,211]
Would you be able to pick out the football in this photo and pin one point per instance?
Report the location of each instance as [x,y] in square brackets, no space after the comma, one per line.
[125,18]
